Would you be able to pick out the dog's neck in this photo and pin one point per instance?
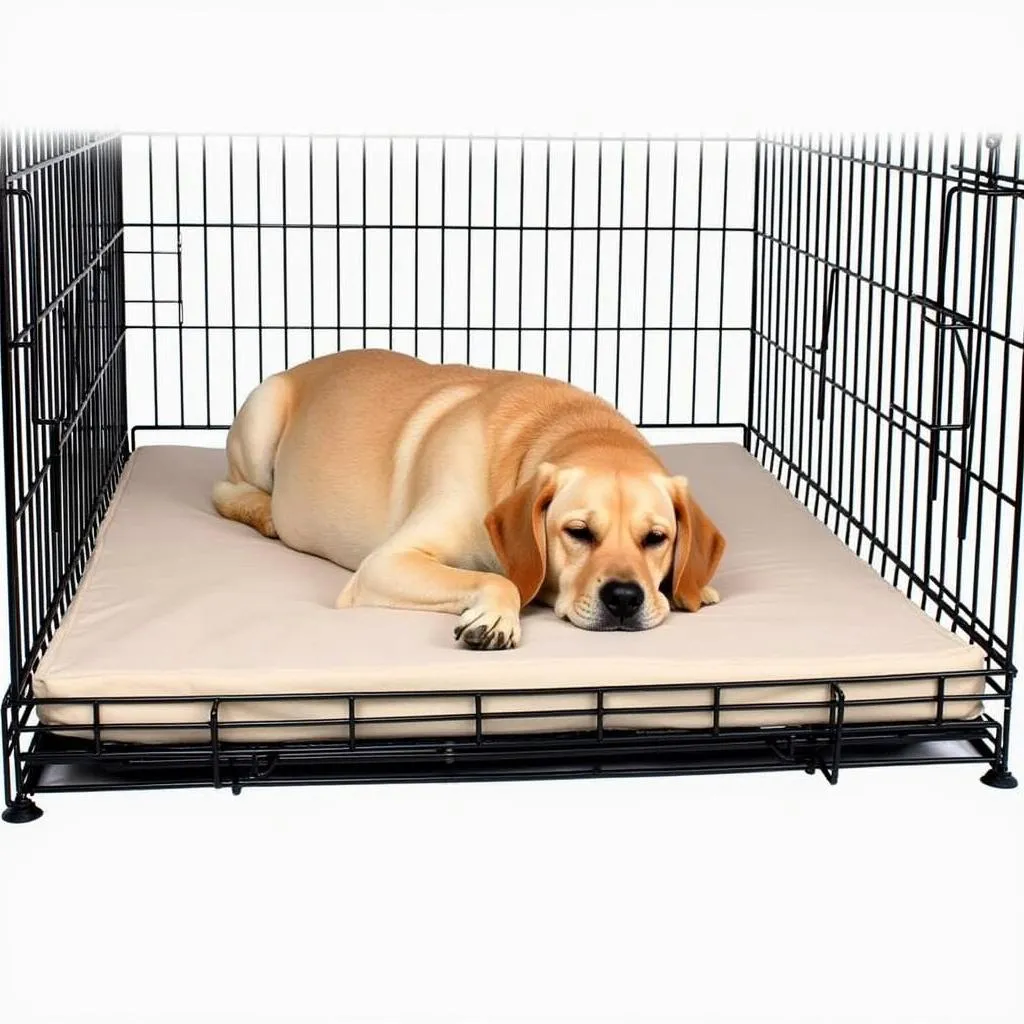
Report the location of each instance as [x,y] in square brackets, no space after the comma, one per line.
[608,448]
[588,433]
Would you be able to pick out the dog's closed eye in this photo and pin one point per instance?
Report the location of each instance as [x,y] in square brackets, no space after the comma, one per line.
[580,532]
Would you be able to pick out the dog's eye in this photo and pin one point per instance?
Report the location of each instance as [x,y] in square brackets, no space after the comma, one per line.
[654,539]
[580,533]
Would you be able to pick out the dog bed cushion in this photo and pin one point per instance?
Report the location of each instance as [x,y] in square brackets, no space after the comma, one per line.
[179,603]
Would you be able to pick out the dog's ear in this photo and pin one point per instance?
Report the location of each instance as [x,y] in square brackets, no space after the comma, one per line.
[699,548]
[516,529]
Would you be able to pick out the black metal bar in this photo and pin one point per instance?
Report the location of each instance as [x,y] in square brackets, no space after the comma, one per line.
[696,279]
[32,300]
[892,475]
[214,725]
[822,347]
[206,288]
[1018,486]
[416,256]
[469,255]
[519,307]
[363,312]
[784,412]
[618,276]
[737,425]
[312,263]
[384,327]
[494,261]
[460,138]
[385,226]
[836,716]
[721,281]
[871,349]
[982,358]
[839,388]
[755,295]
[920,370]
[444,283]
[810,308]
[9,738]
[547,247]
[643,291]
[775,294]
[856,334]
[259,260]
[284,252]
[177,229]
[234,312]
[337,243]
[597,261]
[514,741]
[672,281]
[572,257]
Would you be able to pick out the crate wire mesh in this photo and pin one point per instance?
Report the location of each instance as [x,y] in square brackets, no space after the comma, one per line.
[617,265]
[886,314]
[844,306]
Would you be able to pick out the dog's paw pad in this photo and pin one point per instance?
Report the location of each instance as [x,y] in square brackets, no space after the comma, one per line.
[476,637]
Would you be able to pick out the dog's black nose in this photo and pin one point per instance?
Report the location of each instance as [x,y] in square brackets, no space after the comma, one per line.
[622,599]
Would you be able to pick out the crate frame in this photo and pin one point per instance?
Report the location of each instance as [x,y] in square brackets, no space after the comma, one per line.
[819,258]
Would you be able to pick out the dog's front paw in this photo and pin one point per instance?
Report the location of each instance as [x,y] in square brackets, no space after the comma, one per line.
[491,623]
[709,595]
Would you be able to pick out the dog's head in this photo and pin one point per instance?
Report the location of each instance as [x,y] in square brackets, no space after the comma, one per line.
[609,550]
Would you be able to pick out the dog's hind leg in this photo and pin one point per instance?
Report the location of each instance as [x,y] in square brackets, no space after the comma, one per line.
[245,504]
[251,451]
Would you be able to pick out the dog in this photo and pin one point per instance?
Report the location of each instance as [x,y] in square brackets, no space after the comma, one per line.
[449,488]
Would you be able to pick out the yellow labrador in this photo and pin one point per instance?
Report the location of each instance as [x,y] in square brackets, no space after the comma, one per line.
[473,492]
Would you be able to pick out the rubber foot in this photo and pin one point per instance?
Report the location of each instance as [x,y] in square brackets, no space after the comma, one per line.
[21,811]
[999,778]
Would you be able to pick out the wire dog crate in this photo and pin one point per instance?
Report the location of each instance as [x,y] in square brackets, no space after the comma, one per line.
[843,306]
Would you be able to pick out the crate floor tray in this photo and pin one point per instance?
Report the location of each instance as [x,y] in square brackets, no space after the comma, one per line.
[179,606]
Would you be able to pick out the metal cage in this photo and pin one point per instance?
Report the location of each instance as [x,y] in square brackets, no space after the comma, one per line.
[844,306]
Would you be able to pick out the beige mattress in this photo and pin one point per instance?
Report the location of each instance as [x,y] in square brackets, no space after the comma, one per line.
[177,602]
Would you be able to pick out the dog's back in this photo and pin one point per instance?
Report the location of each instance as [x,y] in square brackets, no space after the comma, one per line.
[349,444]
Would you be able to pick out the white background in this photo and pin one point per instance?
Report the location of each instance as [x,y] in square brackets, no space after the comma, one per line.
[896,896]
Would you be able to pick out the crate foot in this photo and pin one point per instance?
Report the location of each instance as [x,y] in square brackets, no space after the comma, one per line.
[21,811]
[999,778]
